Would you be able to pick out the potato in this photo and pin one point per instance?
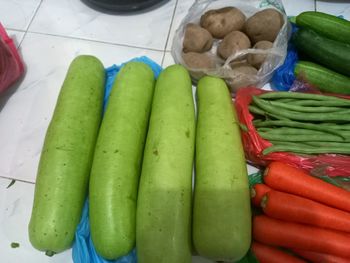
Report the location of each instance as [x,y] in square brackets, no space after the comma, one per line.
[256,60]
[246,76]
[264,25]
[195,60]
[233,42]
[220,22]
[197,39]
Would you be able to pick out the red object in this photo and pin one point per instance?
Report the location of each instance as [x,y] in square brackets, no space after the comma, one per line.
[286,178]
[269,254]
[276,232]
[298,209]
[257,193]
[11,65]
[316,257]
[323,164]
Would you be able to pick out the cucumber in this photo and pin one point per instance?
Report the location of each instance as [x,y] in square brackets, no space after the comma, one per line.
[117,161]
[221,208]
[327,52]
[163,227]
[325,24]
[322,78]
[65,162]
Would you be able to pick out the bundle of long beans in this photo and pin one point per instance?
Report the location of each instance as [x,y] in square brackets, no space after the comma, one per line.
[302,123]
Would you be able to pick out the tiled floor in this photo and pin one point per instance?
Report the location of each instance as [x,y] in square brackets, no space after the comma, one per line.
[49,34]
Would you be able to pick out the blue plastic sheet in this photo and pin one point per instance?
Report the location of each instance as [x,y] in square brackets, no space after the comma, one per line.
[284,77]
[83,248]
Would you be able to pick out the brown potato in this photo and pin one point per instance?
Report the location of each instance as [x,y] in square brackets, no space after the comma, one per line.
[256,60]
[220,22]
[197,39]
[264,25]
[233,42]
[199,61]
[246,76]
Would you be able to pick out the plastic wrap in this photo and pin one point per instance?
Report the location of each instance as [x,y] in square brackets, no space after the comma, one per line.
[11,65]
[275,55]
[319,165]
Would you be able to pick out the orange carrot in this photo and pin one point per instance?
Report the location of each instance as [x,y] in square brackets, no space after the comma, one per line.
[298,209]
[289,179]
[276,232]
[316,257]
[269,254]
[257,192]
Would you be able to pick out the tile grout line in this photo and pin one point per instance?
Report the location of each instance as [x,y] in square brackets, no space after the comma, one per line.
[30,22]
[94,41]
[169,32]
[19,180]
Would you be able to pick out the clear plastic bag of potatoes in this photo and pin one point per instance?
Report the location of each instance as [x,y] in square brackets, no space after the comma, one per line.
[241,41]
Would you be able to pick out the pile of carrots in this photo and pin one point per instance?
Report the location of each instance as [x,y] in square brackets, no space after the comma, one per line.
[304,218]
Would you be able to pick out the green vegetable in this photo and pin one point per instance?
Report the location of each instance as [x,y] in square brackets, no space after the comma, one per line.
[302,137]
[221,213]
[163,227]
[330,53]
[322,78]
[117,161]
[325,24]
[310,126]
[318,129]
[317,98]
[294,115]
[65,162]
[286,130]
[303,149]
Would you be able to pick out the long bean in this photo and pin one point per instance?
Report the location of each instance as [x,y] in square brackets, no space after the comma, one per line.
[299,95]
[328,144]
[331,103]
[256,110]
[314,144]
[297,115]
[299,131]
[302,138]
[283,123]
[340,127]
[303,149]
[320,109]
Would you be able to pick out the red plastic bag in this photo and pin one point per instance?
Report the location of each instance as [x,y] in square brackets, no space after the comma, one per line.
[11,65]
[318,165]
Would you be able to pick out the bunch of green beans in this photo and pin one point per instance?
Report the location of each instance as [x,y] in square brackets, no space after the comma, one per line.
[302,123]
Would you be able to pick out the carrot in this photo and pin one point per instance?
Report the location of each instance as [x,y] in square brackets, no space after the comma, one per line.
[257,192]
[286,178]
[269,254]
[298,209]
[316,257]
[276,232]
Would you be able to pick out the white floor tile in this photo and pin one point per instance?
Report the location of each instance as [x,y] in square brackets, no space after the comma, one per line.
[16,36]
[338,8]
[295,7]
[15,209]
[26,113]
[17,14]
[168,59]
[180,12]
[73,18]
